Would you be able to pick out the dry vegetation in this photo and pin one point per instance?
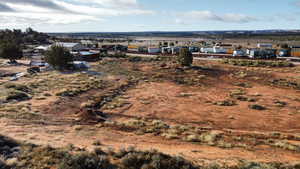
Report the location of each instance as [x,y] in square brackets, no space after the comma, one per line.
[212,114]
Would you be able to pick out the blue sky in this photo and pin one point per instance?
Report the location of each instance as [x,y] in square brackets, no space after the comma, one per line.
[149,15]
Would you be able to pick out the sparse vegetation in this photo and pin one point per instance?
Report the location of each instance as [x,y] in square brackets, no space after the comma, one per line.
[257,107]
[285,83]
[151,101]
[257,63]
[225,103]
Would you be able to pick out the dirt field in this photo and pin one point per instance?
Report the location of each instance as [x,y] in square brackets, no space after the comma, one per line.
[211,112]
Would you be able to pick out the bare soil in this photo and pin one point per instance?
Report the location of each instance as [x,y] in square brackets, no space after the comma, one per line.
[148,91]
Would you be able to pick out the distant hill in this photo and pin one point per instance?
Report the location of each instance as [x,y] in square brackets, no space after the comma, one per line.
[203,34]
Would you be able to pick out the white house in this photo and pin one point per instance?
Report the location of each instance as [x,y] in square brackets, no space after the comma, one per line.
[43,48]
[153,50]
[71,46]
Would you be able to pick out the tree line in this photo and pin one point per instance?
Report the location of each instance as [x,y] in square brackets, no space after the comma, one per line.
[13,41]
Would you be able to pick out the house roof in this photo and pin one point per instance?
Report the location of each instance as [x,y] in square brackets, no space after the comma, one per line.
[67,45]
[43,47]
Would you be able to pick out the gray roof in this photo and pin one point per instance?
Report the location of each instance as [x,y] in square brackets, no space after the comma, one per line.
[67,45]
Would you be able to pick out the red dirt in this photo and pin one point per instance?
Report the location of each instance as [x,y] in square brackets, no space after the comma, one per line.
[163,100]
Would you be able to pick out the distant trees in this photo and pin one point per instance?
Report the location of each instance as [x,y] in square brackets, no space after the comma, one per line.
[11,51]
[185,57]
[59,57]
[19,37]
[11,42]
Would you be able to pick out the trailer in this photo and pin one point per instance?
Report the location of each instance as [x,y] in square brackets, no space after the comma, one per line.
[207,50]
[262,54]
[219,50]
[237,53]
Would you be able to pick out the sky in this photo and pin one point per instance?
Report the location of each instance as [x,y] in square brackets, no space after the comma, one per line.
[149,15]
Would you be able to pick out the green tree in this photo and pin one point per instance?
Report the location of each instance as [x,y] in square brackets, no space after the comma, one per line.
[59,57]
[11,51]
[185,57]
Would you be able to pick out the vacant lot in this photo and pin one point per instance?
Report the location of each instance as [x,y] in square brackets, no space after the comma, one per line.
[211,112]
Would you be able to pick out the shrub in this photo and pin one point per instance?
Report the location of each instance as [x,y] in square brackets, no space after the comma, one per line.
[257,63]
[11,51]
[257,107]
[8,147]
[185,57]
[17,95]
[85,161]
[153,160]
[280,103]
[225,103]
[59,57]
[19,87]
[286,83]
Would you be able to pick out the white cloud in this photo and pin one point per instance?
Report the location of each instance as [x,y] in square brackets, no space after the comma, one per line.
[65,11]
[198,16]
[113,3]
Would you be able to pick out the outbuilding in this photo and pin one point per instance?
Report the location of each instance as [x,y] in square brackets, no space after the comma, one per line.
[71,46]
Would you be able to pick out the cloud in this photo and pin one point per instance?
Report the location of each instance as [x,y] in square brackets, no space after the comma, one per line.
[39,3]
[211,16]
[5,8]
[65,11]
[113,3]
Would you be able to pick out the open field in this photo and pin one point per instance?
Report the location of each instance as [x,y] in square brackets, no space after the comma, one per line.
[213,112]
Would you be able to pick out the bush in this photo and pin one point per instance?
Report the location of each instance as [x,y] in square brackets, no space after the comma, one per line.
[11,51]
[225,103]
[18,87]
[257,107]
[8,149]
[17,95]
[59,57]
[153,160]
[257,63]
[85,161]
[185,57]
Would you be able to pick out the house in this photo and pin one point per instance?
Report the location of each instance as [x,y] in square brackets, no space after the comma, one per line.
[134,48]
[89,56]
[166,50]
[42,48]
[265,45]
[193,49]
[175,50]
[71,46]
[153,50]
[217,49]
[284,52]
[207,50]
[295,51]
[239,53]
[262,53]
